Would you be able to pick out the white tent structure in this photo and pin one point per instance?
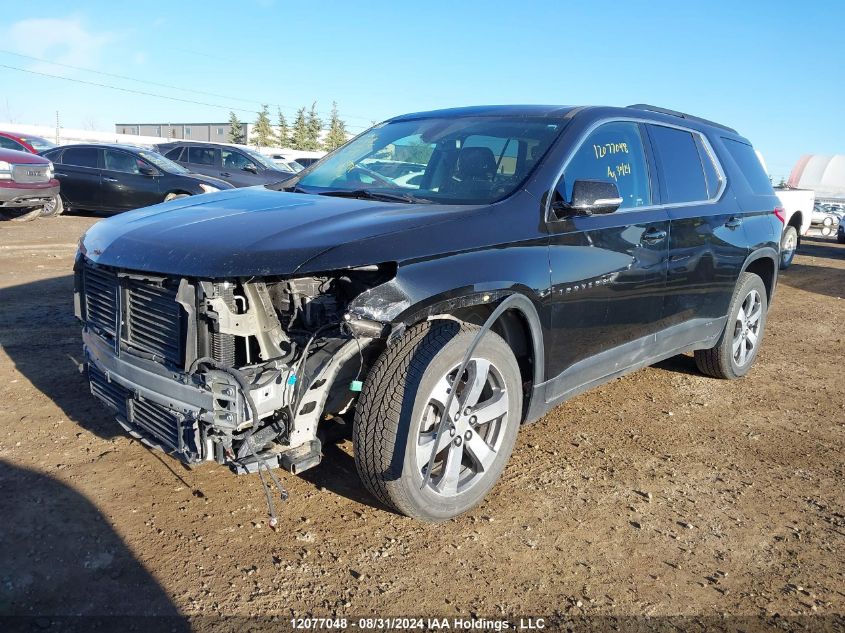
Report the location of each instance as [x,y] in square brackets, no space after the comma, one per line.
[823,173]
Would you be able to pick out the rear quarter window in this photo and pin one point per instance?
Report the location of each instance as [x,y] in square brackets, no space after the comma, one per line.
[681,171]
[750,166]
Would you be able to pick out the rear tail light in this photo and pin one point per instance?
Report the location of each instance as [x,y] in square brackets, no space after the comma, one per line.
[780,215]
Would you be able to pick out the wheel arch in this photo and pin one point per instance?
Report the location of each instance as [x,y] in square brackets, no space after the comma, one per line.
[519,325]
[764,263]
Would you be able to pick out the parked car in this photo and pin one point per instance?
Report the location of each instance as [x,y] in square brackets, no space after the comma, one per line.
[440,317]
[239,166]
[824,218]
[798,207]
[24,143]
[285,163]
[840,233]
[27,185]
[306,161]
[115,178]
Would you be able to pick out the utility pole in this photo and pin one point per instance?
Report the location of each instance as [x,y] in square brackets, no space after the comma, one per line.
[57,127]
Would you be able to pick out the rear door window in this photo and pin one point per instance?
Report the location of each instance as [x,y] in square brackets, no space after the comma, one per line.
[202,155]
[613,153]
[750,166]
[679,162]
[81,157]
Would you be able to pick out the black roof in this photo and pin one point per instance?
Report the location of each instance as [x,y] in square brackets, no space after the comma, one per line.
[561,111]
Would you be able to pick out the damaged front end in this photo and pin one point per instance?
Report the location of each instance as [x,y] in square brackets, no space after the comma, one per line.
[237,371]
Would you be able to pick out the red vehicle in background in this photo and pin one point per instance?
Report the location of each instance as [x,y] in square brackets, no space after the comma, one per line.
[27,185]
[24,142]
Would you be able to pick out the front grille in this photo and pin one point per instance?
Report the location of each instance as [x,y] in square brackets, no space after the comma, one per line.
[110,393]
[159,422]
[101,301]
[156,424]
[154,320]
[31,173]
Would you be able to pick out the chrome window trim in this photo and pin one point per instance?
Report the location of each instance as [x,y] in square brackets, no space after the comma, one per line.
[597,124]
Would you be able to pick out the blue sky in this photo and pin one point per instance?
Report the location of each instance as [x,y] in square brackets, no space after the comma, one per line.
[774,70]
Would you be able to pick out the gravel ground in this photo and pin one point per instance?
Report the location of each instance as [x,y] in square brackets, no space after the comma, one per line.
[663,493]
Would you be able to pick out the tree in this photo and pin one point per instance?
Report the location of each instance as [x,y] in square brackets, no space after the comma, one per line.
[262,135]
[336,135]
[299,135]
[236,130]
[314,126]
[283,133]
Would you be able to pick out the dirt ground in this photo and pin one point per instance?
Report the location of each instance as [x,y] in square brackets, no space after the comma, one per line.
[663,493]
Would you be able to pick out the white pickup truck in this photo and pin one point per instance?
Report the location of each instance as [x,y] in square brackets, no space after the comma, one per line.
[798,209]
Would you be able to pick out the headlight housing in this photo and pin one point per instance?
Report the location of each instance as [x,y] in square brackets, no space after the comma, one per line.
[5,170]
[208,188]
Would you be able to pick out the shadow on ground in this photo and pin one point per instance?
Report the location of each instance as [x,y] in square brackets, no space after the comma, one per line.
[60,559]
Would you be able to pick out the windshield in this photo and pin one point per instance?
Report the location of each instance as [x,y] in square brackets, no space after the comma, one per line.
[261,159]
[467,160]
[163,163]
[38,143]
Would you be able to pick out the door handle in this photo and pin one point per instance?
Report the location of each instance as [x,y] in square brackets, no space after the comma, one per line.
[733,222]
[59,174]
[107,179]
[225,173]
[653,236]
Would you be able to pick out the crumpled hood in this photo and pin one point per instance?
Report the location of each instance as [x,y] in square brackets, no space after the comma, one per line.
[245,232]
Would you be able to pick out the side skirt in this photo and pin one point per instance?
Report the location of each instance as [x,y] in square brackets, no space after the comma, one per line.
[623,359]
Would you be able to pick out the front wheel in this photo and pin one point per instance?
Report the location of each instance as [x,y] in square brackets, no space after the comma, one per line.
[403,402]
[54,207]
[739,344]
[788,246]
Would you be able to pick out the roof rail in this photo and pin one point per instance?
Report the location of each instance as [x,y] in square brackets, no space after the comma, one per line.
[682,115]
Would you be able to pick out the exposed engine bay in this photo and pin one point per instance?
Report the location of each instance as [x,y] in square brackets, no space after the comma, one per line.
[238,371]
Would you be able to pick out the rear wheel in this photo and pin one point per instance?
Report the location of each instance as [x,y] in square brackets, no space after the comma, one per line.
[788,246]
[739,344]
[403,402]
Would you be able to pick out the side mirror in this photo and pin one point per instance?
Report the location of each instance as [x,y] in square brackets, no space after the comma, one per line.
[589,197]
[250,168]
[146,170]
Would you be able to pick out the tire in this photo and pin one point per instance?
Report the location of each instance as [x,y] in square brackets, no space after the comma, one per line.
[788,246]
[828,221]
[54,208]
[840,236]
[826,230]
[397,413]
[175,196]
[734,353]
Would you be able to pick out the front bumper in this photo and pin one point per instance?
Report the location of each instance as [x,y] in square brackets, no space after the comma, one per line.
[13,194]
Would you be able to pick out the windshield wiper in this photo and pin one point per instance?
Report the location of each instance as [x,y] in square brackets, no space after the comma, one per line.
[367,194]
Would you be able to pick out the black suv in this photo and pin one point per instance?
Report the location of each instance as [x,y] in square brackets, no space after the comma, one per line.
[239,166]
[114,178]
[541,251]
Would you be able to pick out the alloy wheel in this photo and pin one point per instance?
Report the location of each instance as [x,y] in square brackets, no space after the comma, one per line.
[747,328]
[472,438]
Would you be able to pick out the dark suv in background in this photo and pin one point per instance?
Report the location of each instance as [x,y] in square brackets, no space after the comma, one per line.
[239,166]
[543,251]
